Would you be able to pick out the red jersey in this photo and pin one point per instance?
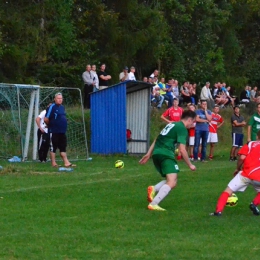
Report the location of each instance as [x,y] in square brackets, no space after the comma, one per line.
[213,125]
[173,114]
[192,130]
[251,168]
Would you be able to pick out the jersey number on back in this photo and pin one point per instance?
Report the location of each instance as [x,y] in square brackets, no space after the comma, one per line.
[167,129]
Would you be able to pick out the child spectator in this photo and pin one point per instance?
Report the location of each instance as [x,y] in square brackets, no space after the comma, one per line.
[215,123]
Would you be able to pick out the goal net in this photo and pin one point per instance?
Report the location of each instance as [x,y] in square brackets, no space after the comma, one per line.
[21,104]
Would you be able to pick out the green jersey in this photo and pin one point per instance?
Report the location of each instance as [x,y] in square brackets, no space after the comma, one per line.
[254,122]
[172,134]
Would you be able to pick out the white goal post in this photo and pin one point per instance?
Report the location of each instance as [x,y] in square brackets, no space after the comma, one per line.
[21,104]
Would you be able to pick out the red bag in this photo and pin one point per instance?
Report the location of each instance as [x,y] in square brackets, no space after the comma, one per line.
[128,134]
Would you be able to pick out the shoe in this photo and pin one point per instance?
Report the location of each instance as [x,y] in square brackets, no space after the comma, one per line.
[235,159]
[216,214]
[155,207]
[150,193]
[254,209]
[179,157]
[191,159]
[231,159]
[70,165]
[210,157]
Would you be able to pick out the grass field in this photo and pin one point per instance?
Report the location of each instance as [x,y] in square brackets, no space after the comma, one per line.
[99,212]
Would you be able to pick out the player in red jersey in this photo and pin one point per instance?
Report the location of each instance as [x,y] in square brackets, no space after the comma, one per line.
[173,114]
[215,123]
[243,177]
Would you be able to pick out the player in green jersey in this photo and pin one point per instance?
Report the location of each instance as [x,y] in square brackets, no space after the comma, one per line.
[162,151]
[253,125]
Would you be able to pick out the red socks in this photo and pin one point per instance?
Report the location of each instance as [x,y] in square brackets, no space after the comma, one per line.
[222,201]
[256,200]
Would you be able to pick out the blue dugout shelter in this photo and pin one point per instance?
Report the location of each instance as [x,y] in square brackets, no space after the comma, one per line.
[116,109]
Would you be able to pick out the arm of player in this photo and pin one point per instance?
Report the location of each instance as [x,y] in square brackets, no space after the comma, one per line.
[235,123]
[220,124]
[46,120]
[185,157]
[165,119]
[147,156]
[38,123]
[249,129]
[198,119]
[208,116]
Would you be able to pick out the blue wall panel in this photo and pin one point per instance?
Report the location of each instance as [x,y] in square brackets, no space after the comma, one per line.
[108,120]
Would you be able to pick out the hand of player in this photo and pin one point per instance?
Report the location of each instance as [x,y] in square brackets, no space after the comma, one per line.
[145,159]
[192,167]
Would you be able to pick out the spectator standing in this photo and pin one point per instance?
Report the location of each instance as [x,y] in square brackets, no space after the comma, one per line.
[88,78]
[174,113]
[56,120]
[253,125]
[123,76]
[43,136]
[202,130]
[205,94]
[131,75]
[237,122]
[215,123]
[95,78]
[103,77]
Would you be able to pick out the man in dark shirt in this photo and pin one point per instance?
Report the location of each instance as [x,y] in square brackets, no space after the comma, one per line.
[56,120]
[237,122]
[103,77]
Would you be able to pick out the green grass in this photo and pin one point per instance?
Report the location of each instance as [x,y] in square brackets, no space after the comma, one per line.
[99,212]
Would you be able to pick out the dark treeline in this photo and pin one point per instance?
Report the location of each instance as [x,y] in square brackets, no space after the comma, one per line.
[49,42]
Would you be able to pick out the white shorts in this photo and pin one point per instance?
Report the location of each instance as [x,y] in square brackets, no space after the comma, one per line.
[240,183]
[212,138]
[192,140]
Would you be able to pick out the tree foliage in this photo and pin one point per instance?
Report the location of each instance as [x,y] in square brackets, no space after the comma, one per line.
[50,42]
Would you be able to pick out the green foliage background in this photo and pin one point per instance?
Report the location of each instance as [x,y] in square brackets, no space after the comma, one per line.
[50,42]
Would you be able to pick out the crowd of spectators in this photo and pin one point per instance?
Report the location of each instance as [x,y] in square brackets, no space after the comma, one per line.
[163,91]
[221,94]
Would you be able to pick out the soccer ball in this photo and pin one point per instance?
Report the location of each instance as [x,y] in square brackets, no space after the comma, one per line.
[232,200]
[119,164]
